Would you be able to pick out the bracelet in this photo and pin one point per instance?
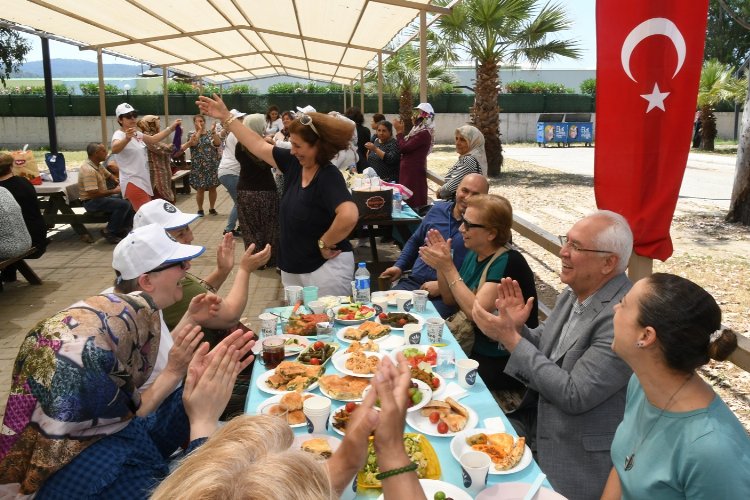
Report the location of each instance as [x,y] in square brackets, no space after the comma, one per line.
[454,282]
[229,120]
[394,472]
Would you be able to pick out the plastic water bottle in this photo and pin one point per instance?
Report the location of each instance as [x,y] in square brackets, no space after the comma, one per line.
[362,283]
[397,202]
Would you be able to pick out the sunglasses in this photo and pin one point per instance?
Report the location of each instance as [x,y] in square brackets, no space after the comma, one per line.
[307,120]
[469,225]
[183,265]
[129,115]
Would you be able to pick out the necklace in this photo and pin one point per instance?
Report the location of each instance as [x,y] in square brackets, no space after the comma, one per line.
[631,458]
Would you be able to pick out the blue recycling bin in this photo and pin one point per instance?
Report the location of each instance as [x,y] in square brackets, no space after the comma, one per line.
[580,129]
[551,129]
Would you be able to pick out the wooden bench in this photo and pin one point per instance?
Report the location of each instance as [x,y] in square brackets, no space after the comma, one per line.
[185,176]
[22,267]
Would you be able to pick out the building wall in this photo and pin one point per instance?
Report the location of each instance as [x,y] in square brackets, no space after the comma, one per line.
[569,77]
[73,133]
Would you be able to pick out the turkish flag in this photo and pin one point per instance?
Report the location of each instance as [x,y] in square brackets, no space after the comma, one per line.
[649,57]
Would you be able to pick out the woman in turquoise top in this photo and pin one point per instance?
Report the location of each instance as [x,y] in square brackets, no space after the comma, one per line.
[486,230]
[678,439]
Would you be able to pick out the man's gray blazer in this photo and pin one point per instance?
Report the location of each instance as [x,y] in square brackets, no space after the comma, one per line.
[581,394]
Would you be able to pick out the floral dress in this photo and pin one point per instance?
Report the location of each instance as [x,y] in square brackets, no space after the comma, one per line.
[204,173]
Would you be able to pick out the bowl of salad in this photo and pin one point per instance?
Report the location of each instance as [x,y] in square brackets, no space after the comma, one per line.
[354,314]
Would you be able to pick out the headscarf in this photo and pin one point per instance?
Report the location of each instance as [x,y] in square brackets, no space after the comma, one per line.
[149,124]
[256,122]
[75,381]
[424,121]
[476,145]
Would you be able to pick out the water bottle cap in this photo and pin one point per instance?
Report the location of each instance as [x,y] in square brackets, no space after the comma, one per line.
[362,264]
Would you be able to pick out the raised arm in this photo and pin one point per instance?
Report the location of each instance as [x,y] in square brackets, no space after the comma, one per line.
[153,139]
[215,108]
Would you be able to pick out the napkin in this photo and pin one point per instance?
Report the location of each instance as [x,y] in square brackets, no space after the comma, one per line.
[494,424]
[453,390]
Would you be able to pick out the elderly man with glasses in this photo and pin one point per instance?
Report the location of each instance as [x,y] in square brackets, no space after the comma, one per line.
[576,383]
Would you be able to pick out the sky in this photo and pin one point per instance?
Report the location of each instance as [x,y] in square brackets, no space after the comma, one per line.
[580,11]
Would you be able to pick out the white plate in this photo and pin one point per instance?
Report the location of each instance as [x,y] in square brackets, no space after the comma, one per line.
[340,336]
[333,441]
[423,425]
[392,342]
[422,348]
[330,421]
[432,486]
[426,395]
[339,362]
[362,342]
[289,350]
[353,321]
[390,295]
[459,447]
[516,491]
[261,383]
[266,405]
[331,396]
[420,322]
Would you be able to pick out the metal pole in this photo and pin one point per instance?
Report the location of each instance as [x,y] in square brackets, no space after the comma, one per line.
[380,81]
[422,56]
[49,97]
[102,102]
[166,95]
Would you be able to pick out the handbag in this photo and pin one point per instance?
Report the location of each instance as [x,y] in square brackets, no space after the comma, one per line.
[56,165]
[459,324]
[24,165]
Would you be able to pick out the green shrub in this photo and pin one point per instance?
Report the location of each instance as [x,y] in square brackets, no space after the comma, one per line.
[305,88]
[93,89]
[175,87]
[588,87]
[523,87]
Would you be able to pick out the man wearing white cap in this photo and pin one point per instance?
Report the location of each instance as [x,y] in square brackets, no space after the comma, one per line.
[229,172]
[129,144]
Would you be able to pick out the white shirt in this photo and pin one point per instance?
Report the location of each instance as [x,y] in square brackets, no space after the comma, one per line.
[229,164]
[133,162]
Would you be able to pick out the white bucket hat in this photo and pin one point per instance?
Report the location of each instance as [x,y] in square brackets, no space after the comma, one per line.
[148,247]
[306,109]
[236,114]
[163,213]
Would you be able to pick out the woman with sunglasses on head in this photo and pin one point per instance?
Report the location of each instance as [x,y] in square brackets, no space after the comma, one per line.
[485,227]
[129,144]
[677,439]
[317,213]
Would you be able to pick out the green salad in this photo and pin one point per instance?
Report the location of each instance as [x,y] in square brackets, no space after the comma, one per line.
[413,449]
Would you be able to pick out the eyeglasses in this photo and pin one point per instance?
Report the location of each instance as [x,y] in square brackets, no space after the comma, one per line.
[566,242]
[129,115]
[306,119]
[183,265]
[469,225]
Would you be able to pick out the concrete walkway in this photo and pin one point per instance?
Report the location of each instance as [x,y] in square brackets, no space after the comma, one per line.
[72,270]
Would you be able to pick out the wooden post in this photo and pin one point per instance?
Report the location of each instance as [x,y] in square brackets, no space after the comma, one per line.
[166,95]
[422,56]
[639,267]
[102,102]
[362,91]
[380,81]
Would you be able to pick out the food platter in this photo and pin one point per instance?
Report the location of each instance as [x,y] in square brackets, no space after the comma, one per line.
[339,362]
[420,321]
[260,382]
[432,486]
[300,439]
[349,382]
[424,349]
[326,353]
[266,406]
[340,335]
[422,424]
[369,314]
[459,447]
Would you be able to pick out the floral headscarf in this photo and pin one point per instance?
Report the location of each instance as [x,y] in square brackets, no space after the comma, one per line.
[149,124]
[74,382]
[424,121]
[476,145]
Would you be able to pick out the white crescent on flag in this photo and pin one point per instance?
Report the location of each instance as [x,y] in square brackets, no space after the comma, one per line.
[651,27]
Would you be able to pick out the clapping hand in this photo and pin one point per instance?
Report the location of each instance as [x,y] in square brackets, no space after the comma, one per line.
[225,254]
[203,307]
[437,251]
[512,313]
[186,342]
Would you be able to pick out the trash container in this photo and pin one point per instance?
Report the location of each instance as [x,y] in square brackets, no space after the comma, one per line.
[580,129]
[551,129]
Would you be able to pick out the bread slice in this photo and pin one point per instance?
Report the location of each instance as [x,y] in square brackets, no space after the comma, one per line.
[457,407]
[435,405]
[319,447]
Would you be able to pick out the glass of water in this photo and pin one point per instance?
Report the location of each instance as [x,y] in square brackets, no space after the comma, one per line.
[446,363]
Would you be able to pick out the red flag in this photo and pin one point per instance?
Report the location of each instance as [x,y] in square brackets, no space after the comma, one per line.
[649,57]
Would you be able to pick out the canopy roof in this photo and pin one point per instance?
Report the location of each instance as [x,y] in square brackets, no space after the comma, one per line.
[230,40]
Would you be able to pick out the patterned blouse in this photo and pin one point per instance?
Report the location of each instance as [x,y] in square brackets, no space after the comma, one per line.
[387,168]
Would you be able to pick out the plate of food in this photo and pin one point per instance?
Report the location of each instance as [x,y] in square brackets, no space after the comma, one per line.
[365,346]
[397,320]
[443,418]
[290,376]
[509,453]
[340,418]
[293,345]
[317,353]
[304,324]
[358,364]
[440,490]
[390,295]
[420,451]
[366,330]
[346,388]
[329,301]
[424,373]
[416,354]
[289,403]
[419,395]
[320,445]
[353,314]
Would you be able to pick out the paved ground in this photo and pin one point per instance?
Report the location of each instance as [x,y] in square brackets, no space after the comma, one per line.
[708,178]
[71,270]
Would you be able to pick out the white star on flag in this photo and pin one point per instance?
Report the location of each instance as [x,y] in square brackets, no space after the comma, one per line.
[655,98]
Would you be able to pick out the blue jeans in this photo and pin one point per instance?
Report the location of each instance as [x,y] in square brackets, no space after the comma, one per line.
[230,181]
[121,211]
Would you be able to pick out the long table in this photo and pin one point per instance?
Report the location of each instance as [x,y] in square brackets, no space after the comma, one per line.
[478,398]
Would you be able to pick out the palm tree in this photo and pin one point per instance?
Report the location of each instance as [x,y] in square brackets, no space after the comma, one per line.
[401,78]
[716,84]
[496,32]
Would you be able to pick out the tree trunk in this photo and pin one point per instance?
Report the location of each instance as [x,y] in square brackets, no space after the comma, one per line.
[708,128]
[486,114]
[405,107]
[739,207]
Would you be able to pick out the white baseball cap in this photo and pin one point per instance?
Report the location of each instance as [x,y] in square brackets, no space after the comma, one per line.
[124,109]
[147,248]
[426,107]
[306,109]
[236,114]
[163,213]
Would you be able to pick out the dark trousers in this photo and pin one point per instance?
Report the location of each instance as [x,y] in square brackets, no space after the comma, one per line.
[120,210]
